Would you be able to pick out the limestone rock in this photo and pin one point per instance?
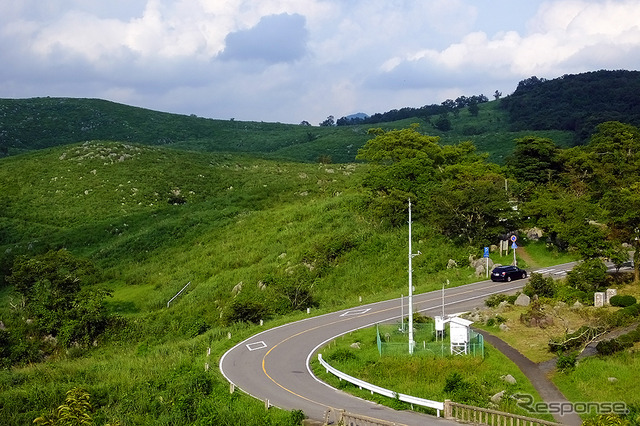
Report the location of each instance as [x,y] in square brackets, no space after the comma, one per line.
[504,327]
[508,378]
[452,264]
[534,234]
[522,300]
[237,288]
[497,397]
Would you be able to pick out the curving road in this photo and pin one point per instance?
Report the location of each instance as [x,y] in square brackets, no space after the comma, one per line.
[274,365]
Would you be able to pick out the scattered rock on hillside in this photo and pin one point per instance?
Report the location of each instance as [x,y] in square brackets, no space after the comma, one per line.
[452,264]
[508,378]
[534,234]
[497,397]
[522,300]
[355,345]
[237,288]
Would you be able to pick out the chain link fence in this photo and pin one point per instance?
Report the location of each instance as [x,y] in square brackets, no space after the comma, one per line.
[393,339]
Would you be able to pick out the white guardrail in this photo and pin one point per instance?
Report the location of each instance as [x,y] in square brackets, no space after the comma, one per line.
[438,406]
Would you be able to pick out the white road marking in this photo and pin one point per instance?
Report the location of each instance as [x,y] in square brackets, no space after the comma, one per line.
[355,312]
[256,345]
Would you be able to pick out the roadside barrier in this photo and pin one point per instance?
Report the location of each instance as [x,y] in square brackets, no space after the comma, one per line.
[438,406]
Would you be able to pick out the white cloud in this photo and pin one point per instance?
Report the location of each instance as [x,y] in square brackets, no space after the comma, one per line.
[314,57]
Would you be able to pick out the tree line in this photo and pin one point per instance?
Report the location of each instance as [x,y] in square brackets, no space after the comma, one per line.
[576,103]
[584,198]
[426,111]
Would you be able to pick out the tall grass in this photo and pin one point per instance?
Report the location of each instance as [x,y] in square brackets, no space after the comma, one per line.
[602,379]
[421,376]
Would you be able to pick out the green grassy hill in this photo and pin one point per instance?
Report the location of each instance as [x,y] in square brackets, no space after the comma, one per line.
[153,219]
[29,124]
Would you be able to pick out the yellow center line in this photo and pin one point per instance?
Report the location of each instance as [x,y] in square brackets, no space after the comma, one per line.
[264,369]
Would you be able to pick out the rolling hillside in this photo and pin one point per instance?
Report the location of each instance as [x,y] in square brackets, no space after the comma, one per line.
[30,124]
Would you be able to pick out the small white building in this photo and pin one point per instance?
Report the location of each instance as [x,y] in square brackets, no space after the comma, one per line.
[459,335]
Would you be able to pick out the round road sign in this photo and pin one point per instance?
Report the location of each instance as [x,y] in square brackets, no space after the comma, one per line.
[514,238]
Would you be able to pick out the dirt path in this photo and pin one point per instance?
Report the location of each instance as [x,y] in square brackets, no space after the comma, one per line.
[547,390]
[522,254]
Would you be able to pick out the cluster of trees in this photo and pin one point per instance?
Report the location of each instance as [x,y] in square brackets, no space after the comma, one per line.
[425,112]
[577,103]
[58,306]
[586,198]
[453,187]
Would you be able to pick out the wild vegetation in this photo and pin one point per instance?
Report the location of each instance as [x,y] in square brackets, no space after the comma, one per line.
[262,221]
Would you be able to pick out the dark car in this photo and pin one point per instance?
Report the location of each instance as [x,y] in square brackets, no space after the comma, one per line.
[507,273]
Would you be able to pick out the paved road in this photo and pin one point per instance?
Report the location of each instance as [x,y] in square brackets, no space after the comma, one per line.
[274,364]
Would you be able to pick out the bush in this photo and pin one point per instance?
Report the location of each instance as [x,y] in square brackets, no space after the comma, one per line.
[543,287]
[609,347]
[622,301]
[341,355]
[566,362]
[246,311]
[495,299]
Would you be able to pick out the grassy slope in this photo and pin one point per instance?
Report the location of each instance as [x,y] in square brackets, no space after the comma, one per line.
[244,219]
[38,123]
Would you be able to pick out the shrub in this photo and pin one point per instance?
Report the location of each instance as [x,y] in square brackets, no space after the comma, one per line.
[465,392]
[543,287]
[609,347]
[632,311]
[566,362]
[246,311]
[622,301]
[495,299]
[341,355]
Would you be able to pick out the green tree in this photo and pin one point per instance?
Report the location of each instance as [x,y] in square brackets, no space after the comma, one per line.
[329,122]
[569,219]
[623,213]
[534,160]
[452,186]
[474,109]
[59,295]
[588,276]
[610,160]
[443,123]
[472,206]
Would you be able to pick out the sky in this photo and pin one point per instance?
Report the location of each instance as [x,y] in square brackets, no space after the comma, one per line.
[302,60]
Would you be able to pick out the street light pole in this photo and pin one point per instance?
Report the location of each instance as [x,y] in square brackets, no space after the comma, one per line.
[412,343]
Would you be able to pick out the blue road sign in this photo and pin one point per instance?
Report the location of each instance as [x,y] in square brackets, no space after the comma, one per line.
[514,246]
[486,252]
[514,238]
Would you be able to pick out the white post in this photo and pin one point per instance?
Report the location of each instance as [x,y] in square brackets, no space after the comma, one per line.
[514,258]
[411,342]
[402,313]
[487,264]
